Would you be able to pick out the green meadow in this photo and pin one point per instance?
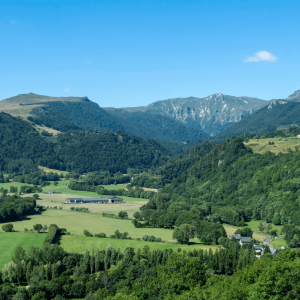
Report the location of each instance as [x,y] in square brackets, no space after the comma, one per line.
[278,243]
[9,241]
[280,145]
[78,244]
[75,222]
[254,226]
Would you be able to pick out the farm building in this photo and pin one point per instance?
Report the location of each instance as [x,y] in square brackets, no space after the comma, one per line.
[108,199]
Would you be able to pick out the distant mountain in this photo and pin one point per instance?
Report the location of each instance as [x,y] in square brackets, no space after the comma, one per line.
[267,119]
[211,114]
[294,97]
[70,113]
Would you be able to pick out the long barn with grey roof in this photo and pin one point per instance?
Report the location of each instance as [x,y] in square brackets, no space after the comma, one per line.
[108,199]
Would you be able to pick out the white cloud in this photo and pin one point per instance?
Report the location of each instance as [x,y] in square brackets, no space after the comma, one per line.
[67,89]
[261,56]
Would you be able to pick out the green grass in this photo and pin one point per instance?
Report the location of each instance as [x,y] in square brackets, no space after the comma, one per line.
[280,145]
[76,222]
[278,243]
[115,187]
[9,241]
[254,226]
[78,244]
[47,170]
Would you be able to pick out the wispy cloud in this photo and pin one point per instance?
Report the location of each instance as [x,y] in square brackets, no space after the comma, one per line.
[261,56]
[67,89]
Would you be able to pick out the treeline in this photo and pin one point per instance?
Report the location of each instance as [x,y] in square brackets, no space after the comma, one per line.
[38,177]
[13,208]
[135,192]
[109,273]
[105,178]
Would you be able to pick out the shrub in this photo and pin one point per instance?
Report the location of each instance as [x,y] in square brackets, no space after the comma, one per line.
[100,235]
[8,227]
[87,233]
[123,215]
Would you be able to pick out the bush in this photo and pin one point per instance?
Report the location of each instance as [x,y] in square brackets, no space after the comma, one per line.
[8,227]
[123,215]
[100,235]
[87,233]
[151,238]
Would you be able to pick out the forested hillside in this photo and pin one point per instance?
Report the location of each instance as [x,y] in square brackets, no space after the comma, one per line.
[92,151]
[230,184]
[265,120]
[161,127]
[174,167]
[23,148]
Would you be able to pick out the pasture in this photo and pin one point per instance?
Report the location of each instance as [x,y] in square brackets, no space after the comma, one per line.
[254,226]
[278,243]
[78,244]
[58,200]
[76,222]
[280,145]
[9,241]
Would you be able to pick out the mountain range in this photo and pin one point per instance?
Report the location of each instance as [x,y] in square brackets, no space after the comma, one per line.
[176,123]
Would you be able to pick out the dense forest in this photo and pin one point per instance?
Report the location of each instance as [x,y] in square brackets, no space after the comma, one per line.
[23,148]
[143,274]
[228,184]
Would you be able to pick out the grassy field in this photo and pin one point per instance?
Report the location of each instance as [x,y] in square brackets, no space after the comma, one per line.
[58,200]
[76,222]
[47,170]
[280,145]
[9,241]
[278,243]
[78,244]
[254,226]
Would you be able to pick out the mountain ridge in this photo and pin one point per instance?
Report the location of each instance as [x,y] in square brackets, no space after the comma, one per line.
[211,114]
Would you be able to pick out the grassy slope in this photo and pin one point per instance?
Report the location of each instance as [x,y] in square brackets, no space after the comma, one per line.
[280,145]
[9,241]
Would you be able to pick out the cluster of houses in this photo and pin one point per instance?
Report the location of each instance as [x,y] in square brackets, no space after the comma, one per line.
[108,199]
[248,240]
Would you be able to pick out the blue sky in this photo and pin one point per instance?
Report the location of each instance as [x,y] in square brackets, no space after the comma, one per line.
[132,53]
